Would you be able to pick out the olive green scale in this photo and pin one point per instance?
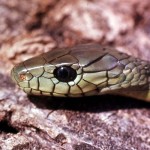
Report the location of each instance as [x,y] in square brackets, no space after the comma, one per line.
[99,70]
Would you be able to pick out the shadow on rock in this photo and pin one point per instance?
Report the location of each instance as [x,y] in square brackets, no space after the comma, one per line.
[89,104]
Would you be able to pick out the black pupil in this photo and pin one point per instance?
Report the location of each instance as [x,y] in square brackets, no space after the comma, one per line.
[65,73]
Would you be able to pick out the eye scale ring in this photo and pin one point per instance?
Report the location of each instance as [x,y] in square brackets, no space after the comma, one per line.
[65,73]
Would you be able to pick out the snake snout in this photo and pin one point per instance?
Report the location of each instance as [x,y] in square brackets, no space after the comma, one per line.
[18,73]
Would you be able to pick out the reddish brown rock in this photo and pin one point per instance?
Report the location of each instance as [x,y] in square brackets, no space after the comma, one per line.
[30,27]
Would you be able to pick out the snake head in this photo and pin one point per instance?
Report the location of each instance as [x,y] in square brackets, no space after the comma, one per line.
[76,71]
[62,72]
[82,70]
[52,73]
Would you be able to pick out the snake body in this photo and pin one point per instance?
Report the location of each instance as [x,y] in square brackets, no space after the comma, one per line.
[84,70]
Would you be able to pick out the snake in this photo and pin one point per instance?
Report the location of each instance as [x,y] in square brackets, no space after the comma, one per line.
[84,70]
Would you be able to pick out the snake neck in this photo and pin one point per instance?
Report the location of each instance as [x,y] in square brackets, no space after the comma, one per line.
[135,84]
[143,91]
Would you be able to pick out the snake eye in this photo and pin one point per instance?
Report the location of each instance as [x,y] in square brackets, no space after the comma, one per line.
[65,73]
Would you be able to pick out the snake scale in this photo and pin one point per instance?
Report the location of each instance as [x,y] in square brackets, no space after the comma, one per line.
[84,70]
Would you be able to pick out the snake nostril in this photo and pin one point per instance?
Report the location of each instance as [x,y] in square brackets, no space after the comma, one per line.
[65,73]
[22,77]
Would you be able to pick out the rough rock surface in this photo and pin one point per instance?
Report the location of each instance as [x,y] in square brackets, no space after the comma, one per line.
[30,27]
